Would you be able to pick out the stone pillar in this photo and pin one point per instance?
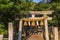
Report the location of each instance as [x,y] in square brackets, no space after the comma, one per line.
[46,30]
[10,31]
[55,33]
[20,30]
[1,36]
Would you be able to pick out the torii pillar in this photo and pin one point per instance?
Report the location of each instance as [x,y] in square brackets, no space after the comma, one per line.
[46,28]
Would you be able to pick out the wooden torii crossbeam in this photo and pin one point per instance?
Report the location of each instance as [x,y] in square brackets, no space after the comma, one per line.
[34,19]
[37,19]
[41,12]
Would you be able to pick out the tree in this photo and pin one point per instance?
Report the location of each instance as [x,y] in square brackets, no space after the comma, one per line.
[2,29]
[55,1]
[9,9]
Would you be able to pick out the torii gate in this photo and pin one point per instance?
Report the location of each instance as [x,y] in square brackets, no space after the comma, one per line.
[45,18]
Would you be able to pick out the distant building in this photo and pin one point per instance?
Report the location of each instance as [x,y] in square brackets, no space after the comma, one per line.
[30,0]
[45,1]
[26,0]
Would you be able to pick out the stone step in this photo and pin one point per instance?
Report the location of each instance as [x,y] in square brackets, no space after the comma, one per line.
[36,37]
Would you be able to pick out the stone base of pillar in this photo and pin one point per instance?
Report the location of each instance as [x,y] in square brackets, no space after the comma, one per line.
[1,37]
[55,33]
[20,35]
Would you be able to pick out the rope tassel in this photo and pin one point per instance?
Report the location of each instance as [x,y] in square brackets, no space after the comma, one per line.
[41,23]
[33,23]
[25,23]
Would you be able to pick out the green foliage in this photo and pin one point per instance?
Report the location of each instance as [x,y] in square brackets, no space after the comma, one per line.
[4,1]
[2,29]
[58,6]
[32,6]
[10,8]
[55,1]
[6,6]
[45,6]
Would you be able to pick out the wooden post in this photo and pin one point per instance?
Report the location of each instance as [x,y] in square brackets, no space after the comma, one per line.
[46,30]
[37,22]
[1,36]
[33,15]
[20,30]
[29,23]
[10,31]
[55,33]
